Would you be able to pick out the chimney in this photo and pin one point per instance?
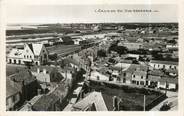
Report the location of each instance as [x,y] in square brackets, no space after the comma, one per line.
[115,103]
[44,71]
[38,70]
[38,91]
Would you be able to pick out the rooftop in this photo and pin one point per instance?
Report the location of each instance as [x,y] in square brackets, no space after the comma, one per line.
[164,62]
[93,98]
[16,53]
[11,88]
[23,75]
[36,48]
[45,102]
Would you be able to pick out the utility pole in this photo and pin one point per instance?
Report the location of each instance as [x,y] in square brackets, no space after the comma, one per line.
[144,103]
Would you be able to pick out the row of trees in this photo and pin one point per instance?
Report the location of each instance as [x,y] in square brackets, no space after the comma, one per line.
[119,49]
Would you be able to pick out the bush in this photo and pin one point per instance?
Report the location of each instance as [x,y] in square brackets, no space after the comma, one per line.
[165,107]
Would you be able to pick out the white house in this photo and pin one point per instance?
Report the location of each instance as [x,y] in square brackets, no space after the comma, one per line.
[139,78]
[31,53]
[168,83]
[172,46]
[156,64]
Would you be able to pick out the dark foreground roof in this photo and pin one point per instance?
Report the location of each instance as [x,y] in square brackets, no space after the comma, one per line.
[45,102]
[11,88]
[23,75]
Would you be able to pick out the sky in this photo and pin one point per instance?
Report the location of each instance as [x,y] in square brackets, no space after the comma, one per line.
[90,13]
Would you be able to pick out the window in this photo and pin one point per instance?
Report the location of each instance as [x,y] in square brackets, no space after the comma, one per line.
[24,56]
[142,83]
[146,82]
[27,56]
[7,102]
[30,57]
[134,82]
[19,62]
[14,61]
[10,61]
[124,74]
[163,66]
[141,77]
[158,65]
[170,66]
[134,76]
[45,56]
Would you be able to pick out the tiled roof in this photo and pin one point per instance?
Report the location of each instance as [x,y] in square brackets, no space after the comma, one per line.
[108,101]
[36,48]
[93,98]
[153,78]
[45,102]
[137,67]
[11,89]
[169,80]
[156,72]
[16,53]
[140,73]
[23,75]
[163,62]
[60,91]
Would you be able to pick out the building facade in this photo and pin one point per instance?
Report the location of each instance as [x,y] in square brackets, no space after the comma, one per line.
[163,64]
[35,54]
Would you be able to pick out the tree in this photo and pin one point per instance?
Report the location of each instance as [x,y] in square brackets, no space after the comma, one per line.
[55,76]
[53,57]
[101,53]
[156,55]
[111,60]
[119,49]
[165,107]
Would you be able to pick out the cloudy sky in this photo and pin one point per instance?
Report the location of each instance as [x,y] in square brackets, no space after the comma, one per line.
[89,13]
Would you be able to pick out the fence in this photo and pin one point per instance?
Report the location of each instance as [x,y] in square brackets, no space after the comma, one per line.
[156,101]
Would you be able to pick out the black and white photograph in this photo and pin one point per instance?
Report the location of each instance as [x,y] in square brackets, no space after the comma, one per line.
[119,57]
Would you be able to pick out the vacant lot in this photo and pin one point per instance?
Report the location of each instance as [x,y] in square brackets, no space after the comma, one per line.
[132,98]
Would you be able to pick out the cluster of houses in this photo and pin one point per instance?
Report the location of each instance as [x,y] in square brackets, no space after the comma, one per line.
[46,87]
[156,74]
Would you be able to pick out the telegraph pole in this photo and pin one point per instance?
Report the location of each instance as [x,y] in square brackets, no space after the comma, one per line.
[144,103]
